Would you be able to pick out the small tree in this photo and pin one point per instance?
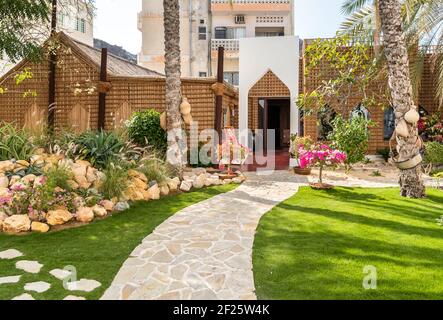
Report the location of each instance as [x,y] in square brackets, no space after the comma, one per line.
[352,137]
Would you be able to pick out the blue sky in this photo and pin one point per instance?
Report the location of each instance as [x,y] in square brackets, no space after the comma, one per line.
[116,20]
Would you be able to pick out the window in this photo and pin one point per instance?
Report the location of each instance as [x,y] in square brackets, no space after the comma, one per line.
[62,19]
[202,74]
[360,111]
[201,33]
[221,32]
[230,33]
[388,123]
[232,78]
[202,21]
[240,19]
[81,25]
[269,32]
[324,118]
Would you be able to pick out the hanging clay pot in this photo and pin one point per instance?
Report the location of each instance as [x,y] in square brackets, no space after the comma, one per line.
[185,107]
[402,129]
[412,116]
[187,119]
[163,121]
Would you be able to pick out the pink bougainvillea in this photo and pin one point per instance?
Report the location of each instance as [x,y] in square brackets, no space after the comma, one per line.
[320,155]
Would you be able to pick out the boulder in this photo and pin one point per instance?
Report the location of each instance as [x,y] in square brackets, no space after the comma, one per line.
[91,174]
[227,181]
[139,184]
[108,205]
[3,216]
[173,184]
[133,194]
[200,181]
[79,172]
[84,214]
[14,179]
[83,163]
[154,192]
[29,179]
[237,180]
[39,227]
[58,217]
[99,211]
[164,190]
[5,192]
[6,166]
[22,163]
[137,174]
[4,182]
[199,171]
[186,186]
[121,206]
[215,182]
[72,184]
[17,223]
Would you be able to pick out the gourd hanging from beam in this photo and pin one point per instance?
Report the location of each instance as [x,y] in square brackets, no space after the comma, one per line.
[185,107]
[412,116]
[163,121]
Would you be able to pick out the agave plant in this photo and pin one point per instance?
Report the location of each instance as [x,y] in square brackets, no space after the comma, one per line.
[14,143]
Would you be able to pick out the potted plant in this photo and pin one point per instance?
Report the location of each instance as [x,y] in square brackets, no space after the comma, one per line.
[299,143]
[231,153]
[320,155]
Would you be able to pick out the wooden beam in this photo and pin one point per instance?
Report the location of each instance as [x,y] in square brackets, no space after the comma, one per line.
[52,72]
[219,97]
[102,95]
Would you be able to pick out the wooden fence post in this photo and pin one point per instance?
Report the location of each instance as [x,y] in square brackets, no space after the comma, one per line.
[102,92]
[52,72]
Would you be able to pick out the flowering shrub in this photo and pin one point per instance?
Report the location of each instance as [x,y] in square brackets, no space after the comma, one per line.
[231,151]
[431,128]
[320,155]
[298,142]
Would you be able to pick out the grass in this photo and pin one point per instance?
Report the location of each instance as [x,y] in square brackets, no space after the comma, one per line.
[97,250]
[316,244]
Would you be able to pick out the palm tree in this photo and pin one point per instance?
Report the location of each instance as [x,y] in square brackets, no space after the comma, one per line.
[422,23]
[397,58]
[176,138]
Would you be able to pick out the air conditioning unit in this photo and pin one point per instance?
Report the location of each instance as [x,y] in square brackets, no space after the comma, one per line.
[240,19]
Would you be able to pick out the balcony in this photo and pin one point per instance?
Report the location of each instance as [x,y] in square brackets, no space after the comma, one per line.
[228,44]
[251,5]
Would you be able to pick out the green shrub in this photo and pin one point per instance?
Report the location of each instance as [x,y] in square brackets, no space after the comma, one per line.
[351,137]
[100,148]
[434,153]
[155,169]
[14,143]
[144,129]
[115,182]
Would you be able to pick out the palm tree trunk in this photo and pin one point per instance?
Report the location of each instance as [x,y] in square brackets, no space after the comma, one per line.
[176,137]
[411,182]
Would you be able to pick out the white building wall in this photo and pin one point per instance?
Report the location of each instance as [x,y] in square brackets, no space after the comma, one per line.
[257,57]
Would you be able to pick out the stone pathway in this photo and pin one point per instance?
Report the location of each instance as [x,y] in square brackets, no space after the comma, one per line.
[205,250]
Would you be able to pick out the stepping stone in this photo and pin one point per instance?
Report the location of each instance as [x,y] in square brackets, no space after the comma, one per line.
[29,266]
[60,273]
[85,285]
[24,296]
[10,254]
[39,287]
[6,280]
[74,298]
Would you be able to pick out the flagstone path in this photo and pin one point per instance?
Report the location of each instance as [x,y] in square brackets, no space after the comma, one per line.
[205,250]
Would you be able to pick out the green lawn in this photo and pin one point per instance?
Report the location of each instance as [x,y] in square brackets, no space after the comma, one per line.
[316,244]
[97,250]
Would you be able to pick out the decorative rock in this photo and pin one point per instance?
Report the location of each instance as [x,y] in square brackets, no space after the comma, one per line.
[39,286]
[29,179]
[154,191]
[6,166]
[121,206]
[14,179]
[186,186]
[173,184]
[22,163]
[3,216]
[74,298]
[9,280]
[79,172]
[199,171]
[107,204]
[60,274]
[10,254]
[99,211]
[164,190]
[140,184]
[58,217]
[39,227]
[78,202]
[24,296]
[72,184]
[83,285]
[137,174]
[237,180]
[17,223]
[1,225]
[200,181]
[84,214]
[91,175]
[4,182]
[29,266]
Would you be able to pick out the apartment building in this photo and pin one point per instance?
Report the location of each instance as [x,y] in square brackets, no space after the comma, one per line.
[74,19]
[207,25]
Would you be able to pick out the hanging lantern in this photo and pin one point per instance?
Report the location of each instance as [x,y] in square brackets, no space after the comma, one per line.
[402,129]
[412,116]
[163,121]
[185,107]
[187,119]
